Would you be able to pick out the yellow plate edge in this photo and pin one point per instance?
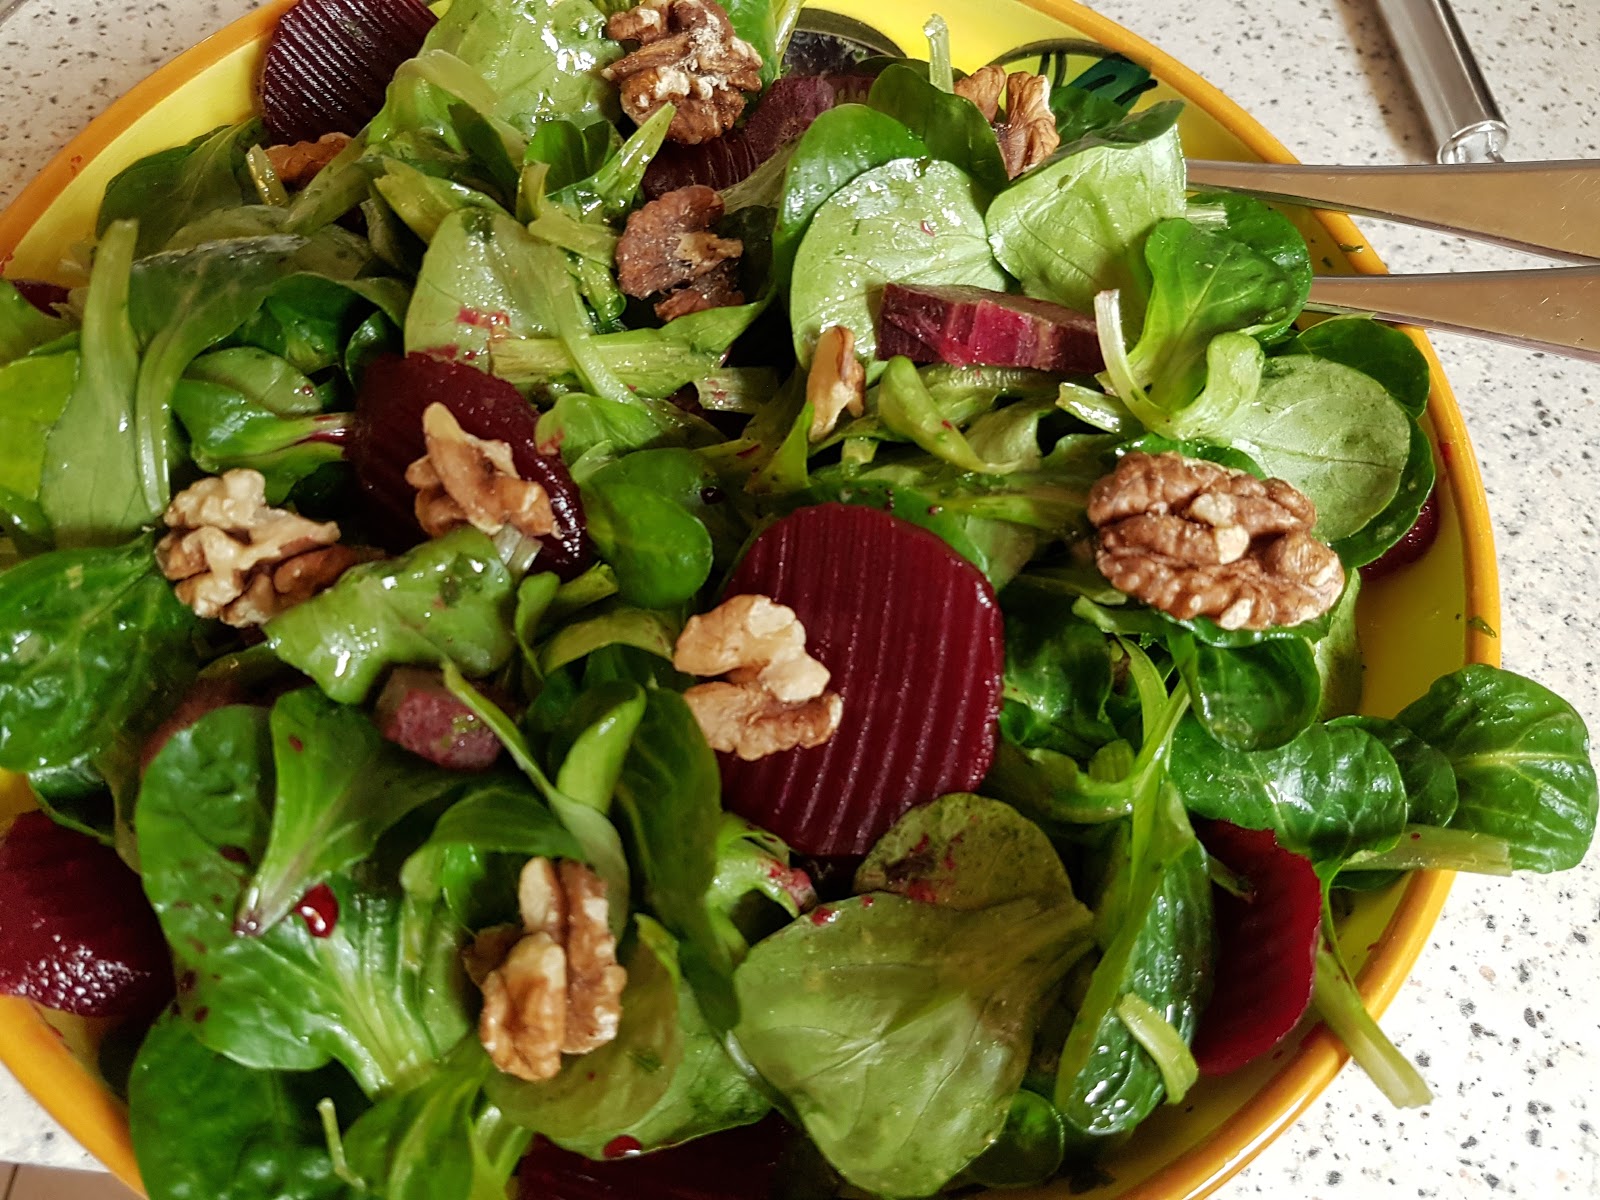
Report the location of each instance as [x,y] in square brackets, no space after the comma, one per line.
[38,1056]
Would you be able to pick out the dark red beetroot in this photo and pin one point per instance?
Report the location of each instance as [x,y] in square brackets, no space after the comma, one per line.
[787,110]
[1412,546]
[330,61]
[1266,948]
[76,932]
[738,1164]
[204,695]
[969,326]
[43,296]
[417,711]
[912,635]
[387,438]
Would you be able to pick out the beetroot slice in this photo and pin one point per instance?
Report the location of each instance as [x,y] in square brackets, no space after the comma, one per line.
[386,438]
[1413,544]
[76,933]
[1266,948]
[970,326]
[415,710]
[786,111]
[912,635]
[329,63]
[43,296]
[737,1164]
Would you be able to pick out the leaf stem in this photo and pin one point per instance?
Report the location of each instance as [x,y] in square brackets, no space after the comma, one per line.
[1428,847]
[1340,1006]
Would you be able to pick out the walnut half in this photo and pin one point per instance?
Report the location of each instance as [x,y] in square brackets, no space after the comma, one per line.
[559,988]
[1027,134]
[467,480]
[234,557]
[1194,539]
[775,694]
[688,57]
[668,247]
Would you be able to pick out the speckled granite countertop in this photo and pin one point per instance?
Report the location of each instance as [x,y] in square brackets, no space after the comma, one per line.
[1503,1011]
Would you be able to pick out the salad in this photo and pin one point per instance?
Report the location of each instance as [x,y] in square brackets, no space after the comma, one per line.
[626,597]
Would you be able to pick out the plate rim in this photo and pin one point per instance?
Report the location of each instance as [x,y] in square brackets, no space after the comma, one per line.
[38,1055]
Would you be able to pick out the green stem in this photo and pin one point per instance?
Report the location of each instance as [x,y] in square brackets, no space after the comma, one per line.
[1428,847]
[1340,1006]
[940,72]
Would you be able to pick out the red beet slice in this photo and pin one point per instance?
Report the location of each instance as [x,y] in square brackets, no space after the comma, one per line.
[970,326]
[1266,948]
[204,695]
[1412,546]
[912,635]
[330,61]
[43,296]
[386,438]
[737,1164]
[417,711]
[786,111]
[76,932]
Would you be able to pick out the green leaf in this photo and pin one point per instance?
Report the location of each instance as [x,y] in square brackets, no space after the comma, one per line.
[1417,480]
[839,145]
[448,600]
[910,221]
[34,392]
[907,407]
[660,550]
[1029,1149]
[611,624]
[340,786]
[950,126]
[608,717]
[206,1128]
[165,191]
[1057,680]
[1338,655]
[22,326]
[380,993]
[1373,348]
[94,642]
[1076,226]
[1521,760]
[1331,792]
[1252,697]
[476,286]
[1429,779]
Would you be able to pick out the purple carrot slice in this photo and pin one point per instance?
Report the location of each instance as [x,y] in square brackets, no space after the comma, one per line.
[415,710]
[76,933]
[329,63]
[970,326]
[1266,948]
[386,438]
[787,110]
[912,636]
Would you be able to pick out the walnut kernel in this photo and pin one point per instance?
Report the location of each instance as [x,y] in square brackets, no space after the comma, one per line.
[668,247]
[837,382]
[774,697]
[688,57]
[1028,133]
[234,557]
[296,164]
[559,989]
[467,480]
[1193,538]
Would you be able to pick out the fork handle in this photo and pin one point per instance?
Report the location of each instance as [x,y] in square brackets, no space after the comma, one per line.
[1555,309]
[1552,208]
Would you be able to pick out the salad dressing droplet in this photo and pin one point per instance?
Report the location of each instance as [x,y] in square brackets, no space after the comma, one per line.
[319,909]
[623,1147]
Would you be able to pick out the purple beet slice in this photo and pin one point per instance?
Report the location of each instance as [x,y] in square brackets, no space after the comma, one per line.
[329,63]
[76,933]
[912,636]
[1413,544]
[43,296]
[736,1164]
[416,711]
[970,326]
[1266,948]
[787,110]
[386,438]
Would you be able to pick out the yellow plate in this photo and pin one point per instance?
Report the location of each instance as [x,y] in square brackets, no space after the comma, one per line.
[1414,626]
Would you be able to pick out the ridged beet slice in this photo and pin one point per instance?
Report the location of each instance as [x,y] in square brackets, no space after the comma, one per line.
[1266,948]
[76,933]
[970,326]
[386,438]
[786,111]
[415,710]
[1412,545]
[330,61]
[912,635]
[737,1164]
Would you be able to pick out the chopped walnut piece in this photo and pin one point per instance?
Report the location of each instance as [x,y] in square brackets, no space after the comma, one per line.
[297,164]
[1028,133]
[688,57]
[234,557]
[1193,539]
[837,382]
[775,695]
[558,990]
[668,244]
[466,480]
